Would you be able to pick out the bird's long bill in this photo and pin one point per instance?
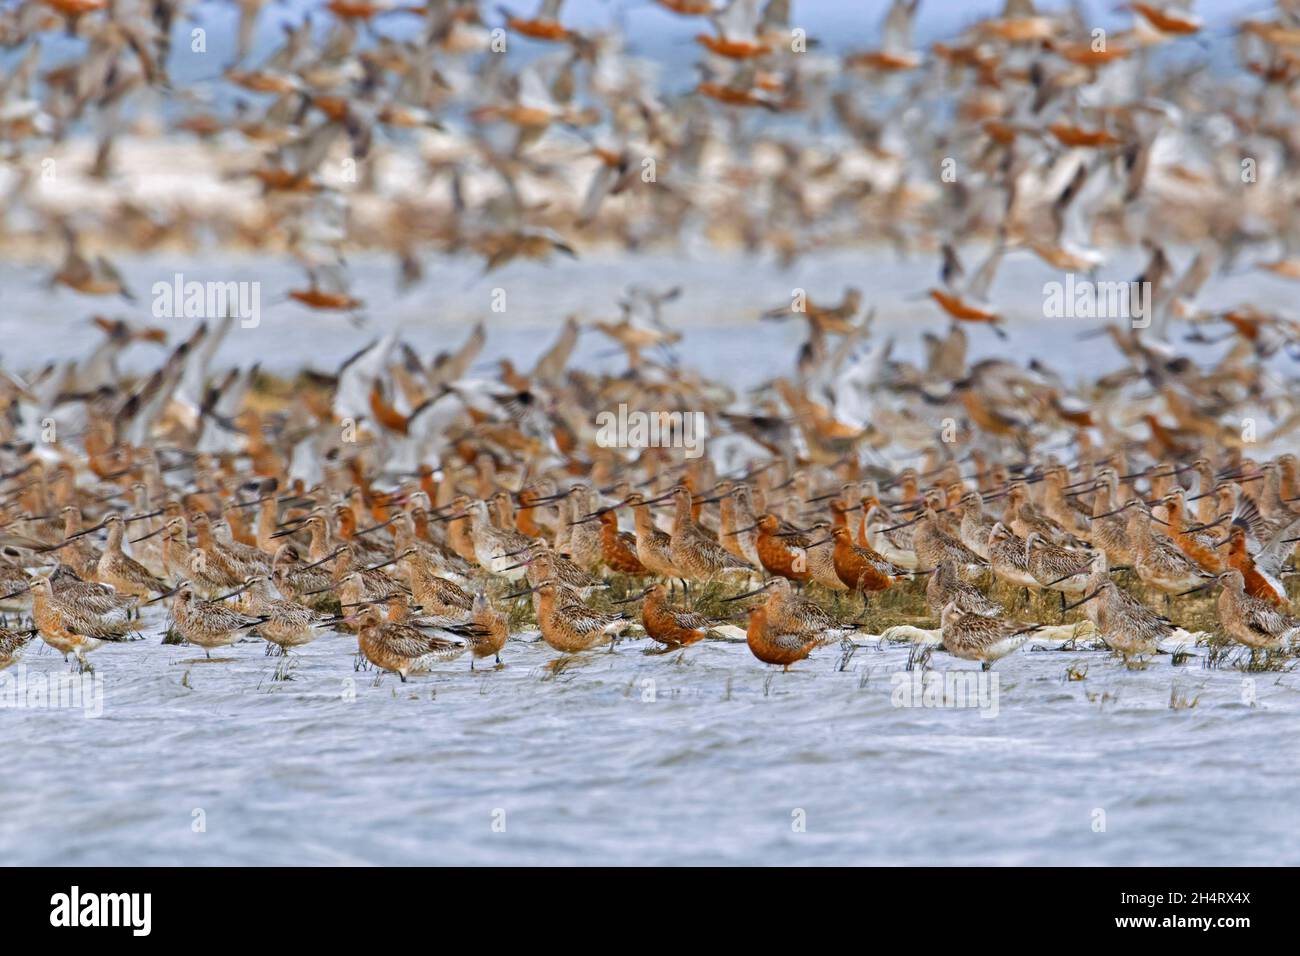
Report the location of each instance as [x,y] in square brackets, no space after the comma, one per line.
[1083,600]
[163,596]
[380,526]
[146,537]
[1209,524]
[519,594]
[1066,577]
[141,517]
[1107,514]
[337,619]
[547,498]
[15,593]
[758,590]
[233,593]
[903,525]
[826,497]
[316,564]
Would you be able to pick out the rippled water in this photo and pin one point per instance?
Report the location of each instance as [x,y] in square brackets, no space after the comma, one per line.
[702,756]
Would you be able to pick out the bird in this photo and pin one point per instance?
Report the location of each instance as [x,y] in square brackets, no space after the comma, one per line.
[977,637]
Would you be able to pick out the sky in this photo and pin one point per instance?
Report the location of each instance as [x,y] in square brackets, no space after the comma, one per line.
[837,24]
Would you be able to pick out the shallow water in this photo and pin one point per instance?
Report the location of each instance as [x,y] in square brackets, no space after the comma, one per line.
[338,766]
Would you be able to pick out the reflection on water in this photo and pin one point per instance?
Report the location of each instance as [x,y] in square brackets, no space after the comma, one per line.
[699,757]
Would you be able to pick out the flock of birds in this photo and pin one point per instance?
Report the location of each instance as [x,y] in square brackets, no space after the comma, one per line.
[443,128]
[276,522]
[411,500]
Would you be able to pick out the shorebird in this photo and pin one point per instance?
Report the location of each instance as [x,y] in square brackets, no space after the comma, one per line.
[969,303]
[583,541]
[1056,568]
[975,524]
[119,570]
[781,551]
[699,557]
[618,548]
[1156,559]
[297,581]
[73,628]
[1197,545]
[774,644]
[975,637]
[1260,571]
[653,546]
[670,626]
[572,628]
[1128,626]
[821,556]
[934,545]
[545,565]
[78,553]
[946,586]
[860,568]
[788,613]
[208,624]
[285,624]
[495,549]
[437,595]
[1257,624]
[489,633]
[405,648]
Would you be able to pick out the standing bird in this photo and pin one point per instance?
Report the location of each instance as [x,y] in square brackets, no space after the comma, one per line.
[670,626]
[208,624]
[120,570]
[975,637]
[490,632]
[1129,627]
[406,647]
[70,627]
[774,644]
[947,586]
[1251,621]
[571,627]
